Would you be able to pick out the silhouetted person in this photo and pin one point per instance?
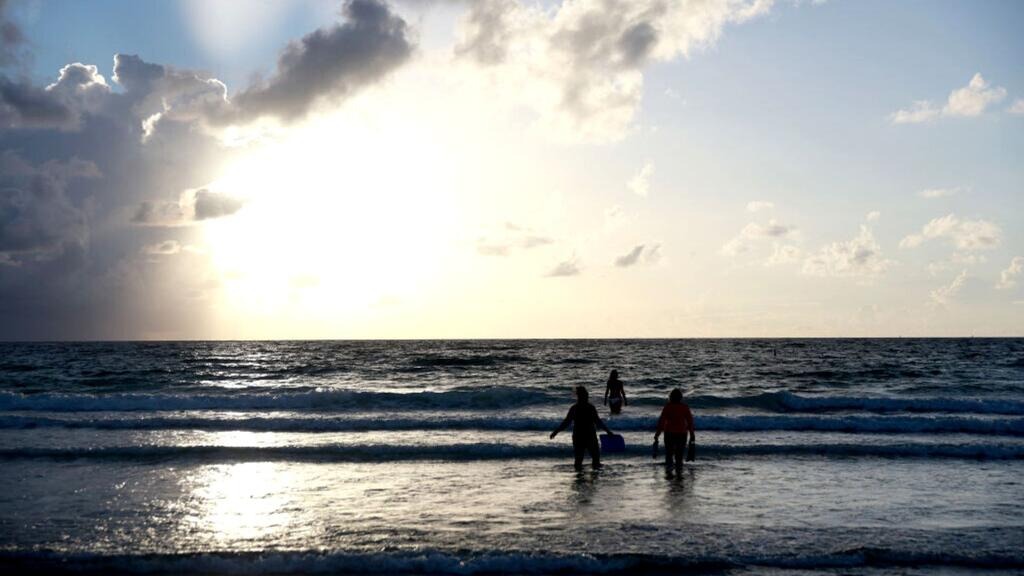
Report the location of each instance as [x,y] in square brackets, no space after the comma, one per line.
[614,393]
[676,421]
[585,421]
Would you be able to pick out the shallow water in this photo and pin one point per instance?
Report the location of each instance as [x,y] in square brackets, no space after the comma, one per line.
[880,455]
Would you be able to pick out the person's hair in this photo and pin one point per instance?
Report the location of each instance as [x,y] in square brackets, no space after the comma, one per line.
[613,376]
[675,396]
[581,393]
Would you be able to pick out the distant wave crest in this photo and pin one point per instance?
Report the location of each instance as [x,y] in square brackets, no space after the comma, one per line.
[438,421]
[491,398]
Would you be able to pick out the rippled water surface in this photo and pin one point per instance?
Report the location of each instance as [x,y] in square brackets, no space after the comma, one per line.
[275,457]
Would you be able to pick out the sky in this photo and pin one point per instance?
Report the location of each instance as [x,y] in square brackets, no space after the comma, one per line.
[229,169]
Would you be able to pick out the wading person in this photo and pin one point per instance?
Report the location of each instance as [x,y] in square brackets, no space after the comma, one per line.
[585,422]
[676,422]
[614,393]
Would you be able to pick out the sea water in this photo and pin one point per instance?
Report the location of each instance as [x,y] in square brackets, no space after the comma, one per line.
[886,456]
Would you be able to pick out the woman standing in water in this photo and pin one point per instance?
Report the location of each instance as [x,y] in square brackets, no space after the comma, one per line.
[585,421]
[614,393]
[676,421]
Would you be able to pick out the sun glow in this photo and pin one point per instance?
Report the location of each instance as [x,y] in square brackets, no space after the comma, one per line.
[351,211]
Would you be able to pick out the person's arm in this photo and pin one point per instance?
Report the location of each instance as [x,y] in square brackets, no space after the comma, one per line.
[622,390]
[607,390]
[565,423]
[661,424]
[689,425]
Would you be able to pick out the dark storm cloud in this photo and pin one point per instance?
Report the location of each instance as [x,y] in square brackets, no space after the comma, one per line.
[79,89]
[24,105]
[214,205]
[158,214]
[37,218]
[330,63]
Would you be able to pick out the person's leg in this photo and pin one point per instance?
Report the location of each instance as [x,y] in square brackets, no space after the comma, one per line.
[669,448]
[680,449]
[595,452]
[578,447]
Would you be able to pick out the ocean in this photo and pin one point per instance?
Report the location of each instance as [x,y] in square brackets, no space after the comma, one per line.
[880,456]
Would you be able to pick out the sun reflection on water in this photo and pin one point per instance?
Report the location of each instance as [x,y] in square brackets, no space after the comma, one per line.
[244,502]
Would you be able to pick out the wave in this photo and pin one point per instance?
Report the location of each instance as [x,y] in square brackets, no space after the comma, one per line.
[485,398]
[746,423]
[498,451]
[789,402]
[488,562]
[441,361]
[317,400]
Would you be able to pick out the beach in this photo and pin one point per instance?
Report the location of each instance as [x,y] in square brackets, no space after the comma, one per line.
[879,456]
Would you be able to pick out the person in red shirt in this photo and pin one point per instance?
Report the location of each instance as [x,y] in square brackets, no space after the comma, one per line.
[676,421]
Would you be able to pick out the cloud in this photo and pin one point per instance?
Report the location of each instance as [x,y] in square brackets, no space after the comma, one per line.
[209,205]
[859,257]
[106,174]
[963,234]
[754,233]
[933,193]
[640,183]
[12,39]
[873,216]
[1008,277]
[38,218]
[920,111]
[192,206]
[159,214]
[79,89]
[1017,107]
[159,94]
[330,63]
[758,205]
[971,100]
[956,260]
[568,267]
[584,60]
[943,294]
[487,31]
[639,253]
[165,248]
[530,241]
[631,258]
[514,237]
[783,254]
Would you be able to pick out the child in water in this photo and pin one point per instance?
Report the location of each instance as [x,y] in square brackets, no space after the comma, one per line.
[614,393]
[585,421]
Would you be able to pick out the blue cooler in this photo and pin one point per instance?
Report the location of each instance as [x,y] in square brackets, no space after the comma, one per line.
[612,443]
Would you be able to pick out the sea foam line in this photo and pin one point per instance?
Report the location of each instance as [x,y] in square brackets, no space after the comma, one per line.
[485,562]
[479,399]
[1010,426]
[498,451]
